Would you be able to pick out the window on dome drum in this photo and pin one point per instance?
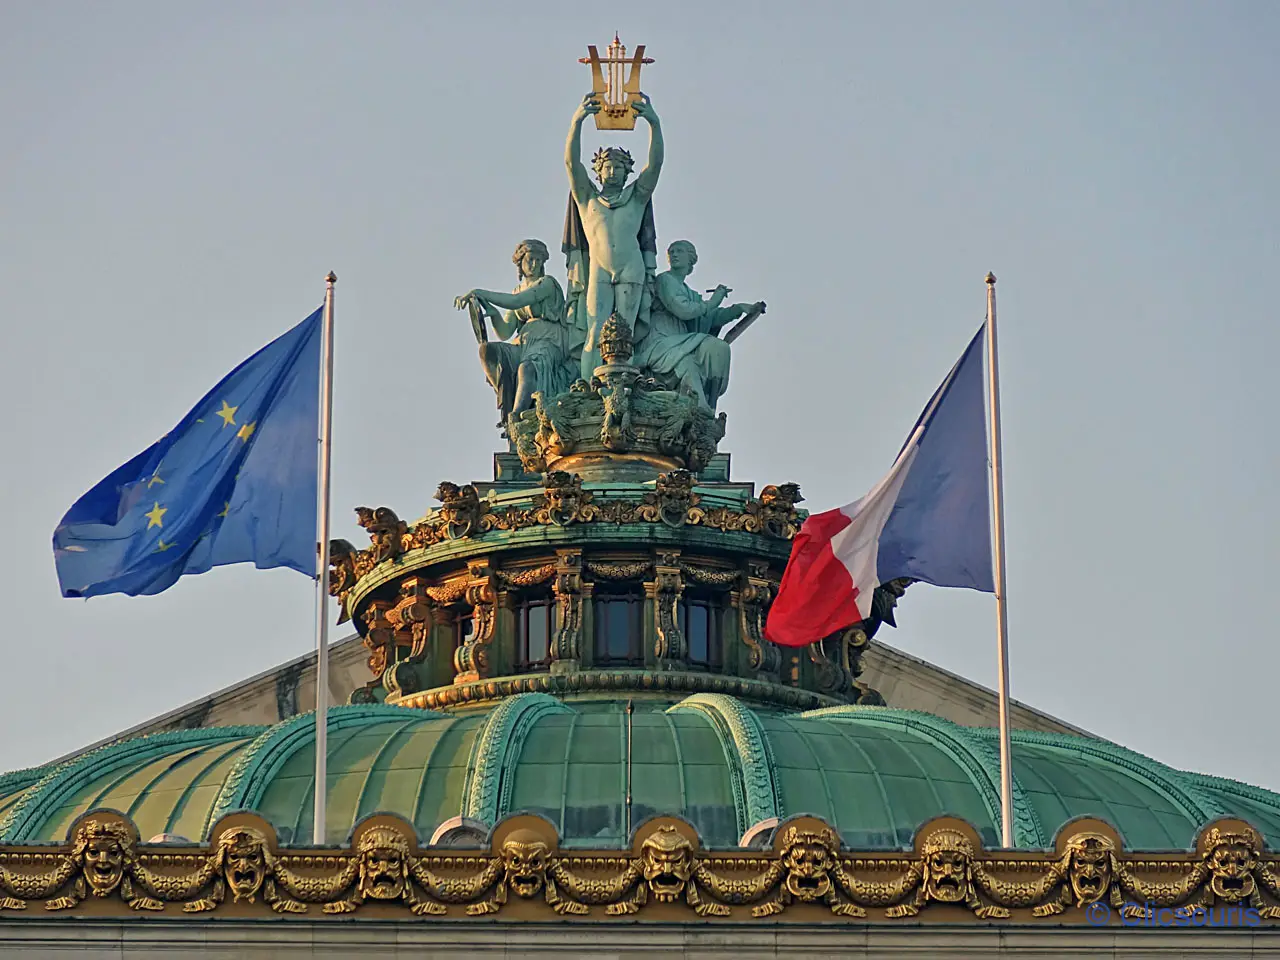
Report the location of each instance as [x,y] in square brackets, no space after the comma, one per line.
[536,622]
[701,619]
[619,627]
[464,625]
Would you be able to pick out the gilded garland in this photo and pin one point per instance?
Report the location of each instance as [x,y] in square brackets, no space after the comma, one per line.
[666,870]
[563,502]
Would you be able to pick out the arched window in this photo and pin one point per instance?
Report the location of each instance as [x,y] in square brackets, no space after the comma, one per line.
[464,626]
[701,618]
[536,623]
[619,626]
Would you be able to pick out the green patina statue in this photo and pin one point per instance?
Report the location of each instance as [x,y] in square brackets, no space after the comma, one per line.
[621,369]
[681,338]
[544,356]
[609,230]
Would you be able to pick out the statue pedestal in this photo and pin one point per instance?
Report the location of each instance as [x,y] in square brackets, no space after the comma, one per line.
[620,426]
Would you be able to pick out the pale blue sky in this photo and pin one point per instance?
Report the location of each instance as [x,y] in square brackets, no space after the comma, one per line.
[177,179]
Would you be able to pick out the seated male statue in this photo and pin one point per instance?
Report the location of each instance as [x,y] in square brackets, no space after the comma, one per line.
[681,341]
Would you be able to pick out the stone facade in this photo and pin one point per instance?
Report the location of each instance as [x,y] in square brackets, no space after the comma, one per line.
[88,939]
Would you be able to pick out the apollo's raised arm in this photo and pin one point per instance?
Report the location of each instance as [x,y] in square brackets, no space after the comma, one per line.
[648,178]
[579,181]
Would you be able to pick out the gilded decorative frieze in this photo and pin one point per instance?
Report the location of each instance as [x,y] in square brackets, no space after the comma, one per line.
[562,502]
[802,875]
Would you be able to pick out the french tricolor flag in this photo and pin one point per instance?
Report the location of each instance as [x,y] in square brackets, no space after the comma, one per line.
[928,519]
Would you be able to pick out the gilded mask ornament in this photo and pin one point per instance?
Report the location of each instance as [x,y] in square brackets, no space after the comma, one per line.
[777,510]
[1090,867]
[384,858]
[565,501]
[386,531]
[245,862]
[102,847]
[673,497]
[666,858]
[1232,857]
[524,856]
[948,867]
[808,857]
[460,509]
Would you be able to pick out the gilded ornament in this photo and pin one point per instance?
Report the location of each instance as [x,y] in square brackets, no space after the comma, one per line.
[946,876]
[1085,875]
[809,861]
[462,513]
[386,531]
[102,860]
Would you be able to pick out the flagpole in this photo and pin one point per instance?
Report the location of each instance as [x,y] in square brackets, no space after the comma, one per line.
[322,578]
[1002,616]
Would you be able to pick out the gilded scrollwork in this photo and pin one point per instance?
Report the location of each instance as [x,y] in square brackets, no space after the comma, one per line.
[342,574]
[665,589]
[471,659]
[569,591]
[805,869]
[563,502]
[753,605]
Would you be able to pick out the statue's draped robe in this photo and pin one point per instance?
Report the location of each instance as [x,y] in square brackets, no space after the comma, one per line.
[680,335]
[544,339]
[577,254]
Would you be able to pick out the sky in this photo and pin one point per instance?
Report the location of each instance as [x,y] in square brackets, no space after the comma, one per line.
[176,180]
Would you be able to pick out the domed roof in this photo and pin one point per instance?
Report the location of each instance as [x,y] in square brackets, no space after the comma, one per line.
[875,773]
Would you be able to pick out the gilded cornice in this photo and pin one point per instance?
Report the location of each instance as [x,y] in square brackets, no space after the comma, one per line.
[673,512]
[633,682]
[802,875]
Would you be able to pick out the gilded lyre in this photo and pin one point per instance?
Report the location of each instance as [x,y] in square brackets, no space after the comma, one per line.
[616,94]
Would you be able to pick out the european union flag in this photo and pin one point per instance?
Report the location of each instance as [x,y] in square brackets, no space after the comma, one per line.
[234,482]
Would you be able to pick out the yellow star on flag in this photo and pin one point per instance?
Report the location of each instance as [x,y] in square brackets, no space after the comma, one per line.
[154,516]
[228,414]
[155,478]
[225,507]
[161,546]
[246,431]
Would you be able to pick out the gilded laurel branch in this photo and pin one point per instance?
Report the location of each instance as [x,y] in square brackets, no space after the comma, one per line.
[876,893]
[475,889]
[595,890]
[738,890]
[18,887]
[1016,893]
[303,889]
[1165,893]
[175,887]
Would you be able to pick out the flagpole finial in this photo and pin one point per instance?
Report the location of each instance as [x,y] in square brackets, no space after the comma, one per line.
[331,277]
[991,278]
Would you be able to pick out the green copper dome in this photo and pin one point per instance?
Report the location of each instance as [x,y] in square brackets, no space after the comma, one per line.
[596,768]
